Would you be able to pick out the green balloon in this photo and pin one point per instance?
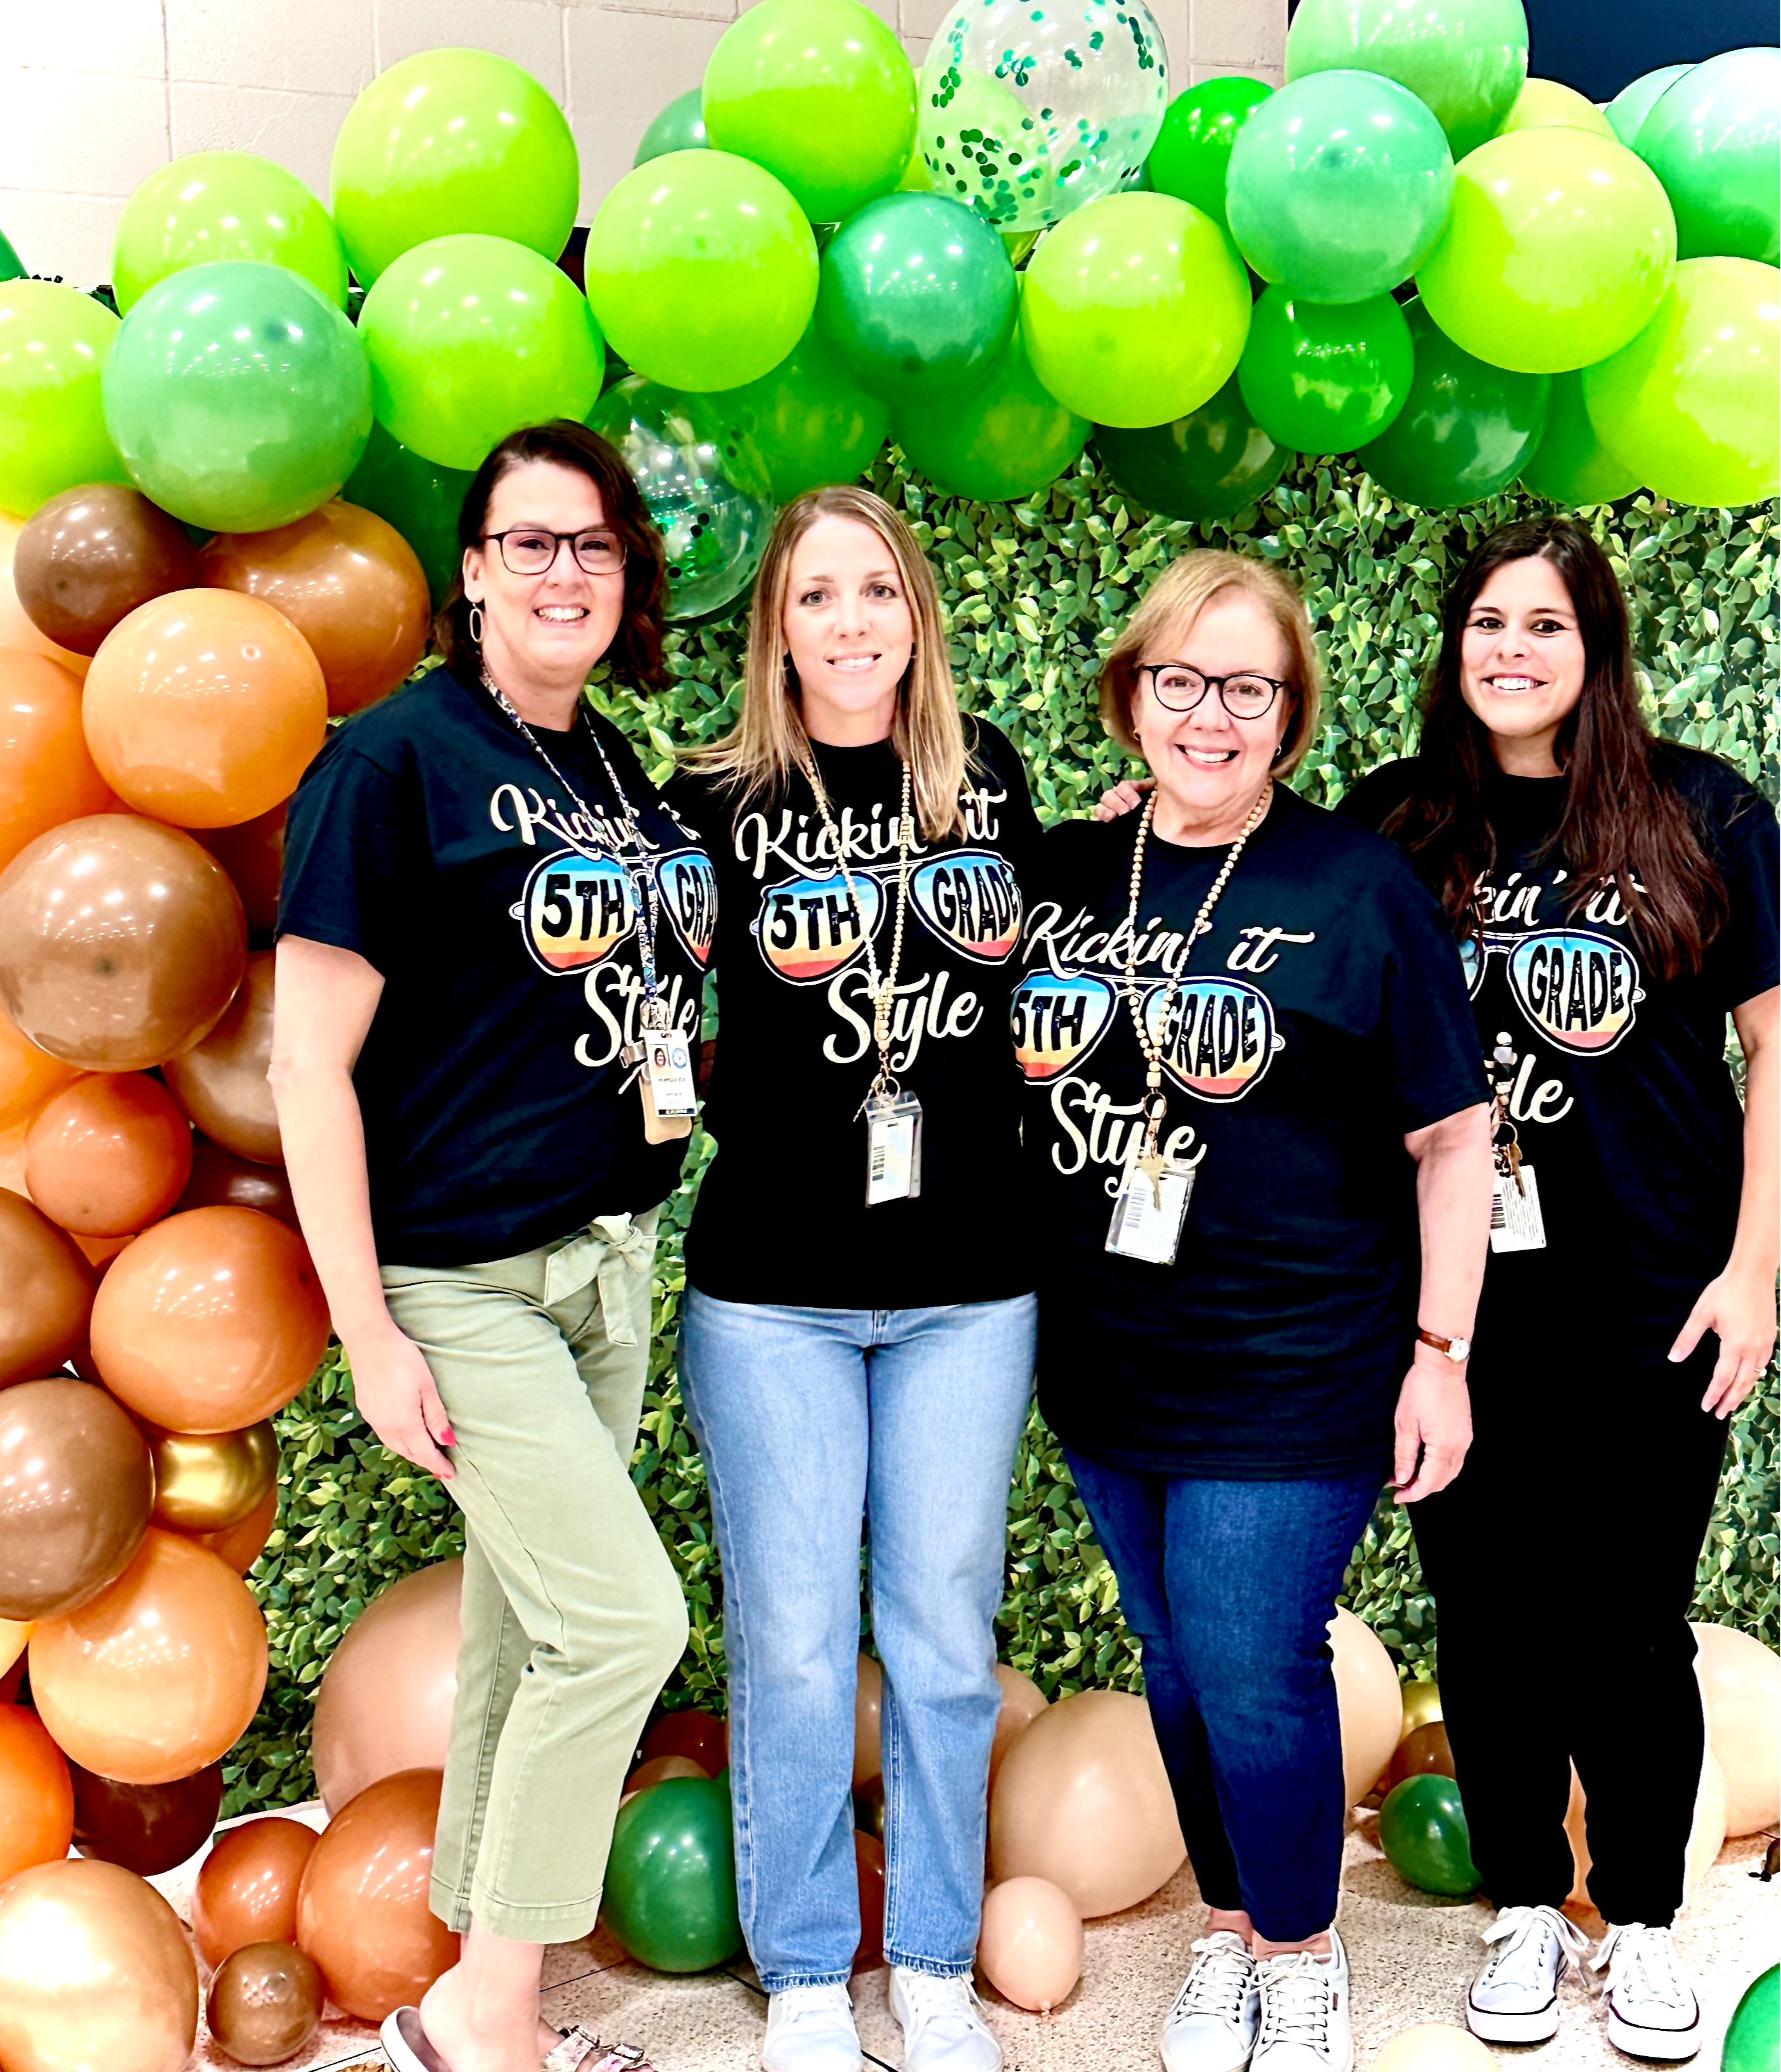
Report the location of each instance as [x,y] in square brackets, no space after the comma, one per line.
[53,344]
[1547,103]
[702,269]
[1632,104]
[420,499]
[1339,185]
[1751,2042]
[1714,139]
[1324,377]
[1135,308]
[671,1878]
[1000,440]
[680,127]
[470,338]
[918,296]
[1466,431]
[1192,153]
[820,93]
[811,421]
[1691,405]
[1211,463]
[12,267]
[1570,465]
[1422,1830]
[1467,59]
[449,141]
[223,205]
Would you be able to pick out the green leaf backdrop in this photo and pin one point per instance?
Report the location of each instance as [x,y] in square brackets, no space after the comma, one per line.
[1035,591]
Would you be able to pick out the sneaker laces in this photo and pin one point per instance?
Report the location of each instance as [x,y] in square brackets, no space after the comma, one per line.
[792,2005]
[1641,1962]
[1296,1993]
[1523,1932]
[1221,1980]
[937,2003]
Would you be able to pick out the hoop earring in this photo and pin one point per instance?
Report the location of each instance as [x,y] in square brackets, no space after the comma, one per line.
[1280,750]
[476,625]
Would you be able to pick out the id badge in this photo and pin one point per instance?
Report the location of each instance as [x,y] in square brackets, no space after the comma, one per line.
[1141,1229]
[893,1149]
[668,1059]
[1516,1223]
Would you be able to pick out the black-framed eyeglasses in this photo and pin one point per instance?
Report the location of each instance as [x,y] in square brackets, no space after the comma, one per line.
[528,550]
[1243,696]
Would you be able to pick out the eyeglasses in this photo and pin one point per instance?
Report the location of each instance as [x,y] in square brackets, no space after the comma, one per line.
[1246,695]
[528,550]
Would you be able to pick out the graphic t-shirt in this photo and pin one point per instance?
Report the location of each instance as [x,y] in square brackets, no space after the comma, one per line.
[781,1215]
[1621,1099]
[1323,1018]
[429,838]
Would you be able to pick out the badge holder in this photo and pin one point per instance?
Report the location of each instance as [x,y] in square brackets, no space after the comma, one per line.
[1152,1207]
[892,1146]
[665,1082]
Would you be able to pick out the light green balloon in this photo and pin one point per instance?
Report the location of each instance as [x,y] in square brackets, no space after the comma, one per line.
[1134,310]
[702,269]
[1467,59]
[810,421]
[680,127]
[447,142]
[1570,465]
[53,345]
[223,205]
[1693,405]
[999,441]
[1558,249]
[471,338]
[1547,104]
[820,93]
[1714,139]
[1632,104]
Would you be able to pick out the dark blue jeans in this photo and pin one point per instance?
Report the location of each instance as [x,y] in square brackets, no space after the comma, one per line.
[1230,1587]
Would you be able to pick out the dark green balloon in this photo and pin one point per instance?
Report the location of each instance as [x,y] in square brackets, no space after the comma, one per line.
[1000,440]
[420,499]
[1192,153]
[12,267]
[1422,1830]
[671,1879]
[680,127]
[1325,377]
[1209,464]
[1750,2041]
[811,422]
[1466,431]
[1570,464]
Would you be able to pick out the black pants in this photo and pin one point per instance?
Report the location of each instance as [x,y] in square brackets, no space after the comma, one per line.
[1562,1559]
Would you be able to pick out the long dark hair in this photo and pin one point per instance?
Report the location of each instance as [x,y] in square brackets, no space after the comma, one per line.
[636,651]
[1623,822]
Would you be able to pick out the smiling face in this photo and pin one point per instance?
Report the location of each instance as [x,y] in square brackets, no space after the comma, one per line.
[1522,662]
[850,631]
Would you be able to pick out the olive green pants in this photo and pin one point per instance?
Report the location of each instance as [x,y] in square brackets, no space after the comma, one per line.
[573,1616]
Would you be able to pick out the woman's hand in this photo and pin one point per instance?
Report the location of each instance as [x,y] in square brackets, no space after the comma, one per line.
[1124,797]
[399,1400]
[1740,1307]
[1434,1419]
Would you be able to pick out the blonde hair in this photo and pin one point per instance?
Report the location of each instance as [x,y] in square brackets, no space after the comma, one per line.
[759,756]
[1171,605]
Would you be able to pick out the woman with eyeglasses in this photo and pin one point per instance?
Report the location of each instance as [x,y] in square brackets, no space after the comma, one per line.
[1256,1136]
[493,938]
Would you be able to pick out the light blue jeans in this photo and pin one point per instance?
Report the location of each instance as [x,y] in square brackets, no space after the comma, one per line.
[810,1419]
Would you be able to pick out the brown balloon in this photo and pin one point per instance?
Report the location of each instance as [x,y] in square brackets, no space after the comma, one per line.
[869,1807]
[95,1970]
[240,1546]
[221,1180]
[221,1082]
[869,1869]
[86,558]
[47,774]
[17,628]
[868,1722]
[348,582]
[75,1486]
[109,1155]
[697,1735]
[247,1885]
[362,1911]
[148,1829]
[265,2003]
[1423,1752]
[658,1771]
[206,1481]
[45,1292]
[385,1700]
[122,942]
[252,853]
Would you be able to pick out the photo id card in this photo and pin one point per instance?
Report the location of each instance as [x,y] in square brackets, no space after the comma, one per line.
[893,1149]
[668,1059]
[1516,1224]
[1143,1226]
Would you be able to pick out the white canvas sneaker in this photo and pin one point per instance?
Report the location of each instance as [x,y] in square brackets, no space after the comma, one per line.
[1211,2027]
[810,2028]
[1653,2011]
[944,2030]
[1305,2024]
[1515,1997]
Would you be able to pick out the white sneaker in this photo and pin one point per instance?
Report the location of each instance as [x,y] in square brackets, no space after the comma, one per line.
[944,2030]
[810,2028]
[1515,1998]
[1305,2025]
[1211,2027]
[1653,2011]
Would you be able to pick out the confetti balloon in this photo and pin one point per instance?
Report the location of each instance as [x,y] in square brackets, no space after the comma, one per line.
[1030,108]
[90,556]
[223,205]
[1211,463]
[1191,157]
[47,771]
[1714,140]
[54,343]
[1466,59]
[221,1082]
[108,1156]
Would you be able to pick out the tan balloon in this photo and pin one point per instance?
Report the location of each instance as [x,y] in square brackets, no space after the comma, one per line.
[1368,1700]
[265,2003]
[385,1700]
[1083,1801]
[1022,1702]
[1706,1836]
[15,1634]
[247,1886]
[1435,2046]
[1030,1944]
[109,1155]
[17,627]
[48,1290]
[868,1722]
[252,853]
[1741,1684]
[207,1481]
[221,1082]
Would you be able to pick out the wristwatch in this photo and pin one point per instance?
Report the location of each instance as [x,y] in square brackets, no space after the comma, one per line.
[1458,1351]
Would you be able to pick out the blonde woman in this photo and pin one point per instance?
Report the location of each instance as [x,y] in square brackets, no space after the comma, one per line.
[857,1342]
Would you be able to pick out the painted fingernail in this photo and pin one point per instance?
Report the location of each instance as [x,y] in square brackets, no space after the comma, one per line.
[448,1437]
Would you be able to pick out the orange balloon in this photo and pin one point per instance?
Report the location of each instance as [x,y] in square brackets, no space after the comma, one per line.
[1022,1702]
[47,1286]
[28,1077]
[110,1155]
[221,1082]
[1031,1942]
[160,1673]
[362,1911]
[46,776]
[36,1794]
[252,853]
[386,1695]
[211,1320]
[247,1886]
[349,583]
[17,627]
[204,707]
[240,1546]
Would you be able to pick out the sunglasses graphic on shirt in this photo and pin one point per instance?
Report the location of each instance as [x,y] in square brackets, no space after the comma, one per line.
[808,929]
[1579,990]
[577,910]
[1219,1041]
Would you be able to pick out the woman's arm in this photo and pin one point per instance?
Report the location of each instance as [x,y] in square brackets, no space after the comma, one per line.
[1739,1303]
[326,998]
[1453,1207]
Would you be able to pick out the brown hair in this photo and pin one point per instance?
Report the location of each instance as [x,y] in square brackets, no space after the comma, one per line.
[1623,821]
[636,651]
[1172,604]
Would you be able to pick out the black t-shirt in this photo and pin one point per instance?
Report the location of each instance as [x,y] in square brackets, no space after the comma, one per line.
[1621,1100]
[782,1214]
[1323,1018]
[428,836]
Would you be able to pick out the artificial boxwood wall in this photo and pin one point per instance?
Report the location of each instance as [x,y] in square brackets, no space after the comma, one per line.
[1035,591]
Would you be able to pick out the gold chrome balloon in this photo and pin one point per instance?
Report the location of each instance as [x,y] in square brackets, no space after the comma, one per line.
[208,1482]
[1422,1707]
